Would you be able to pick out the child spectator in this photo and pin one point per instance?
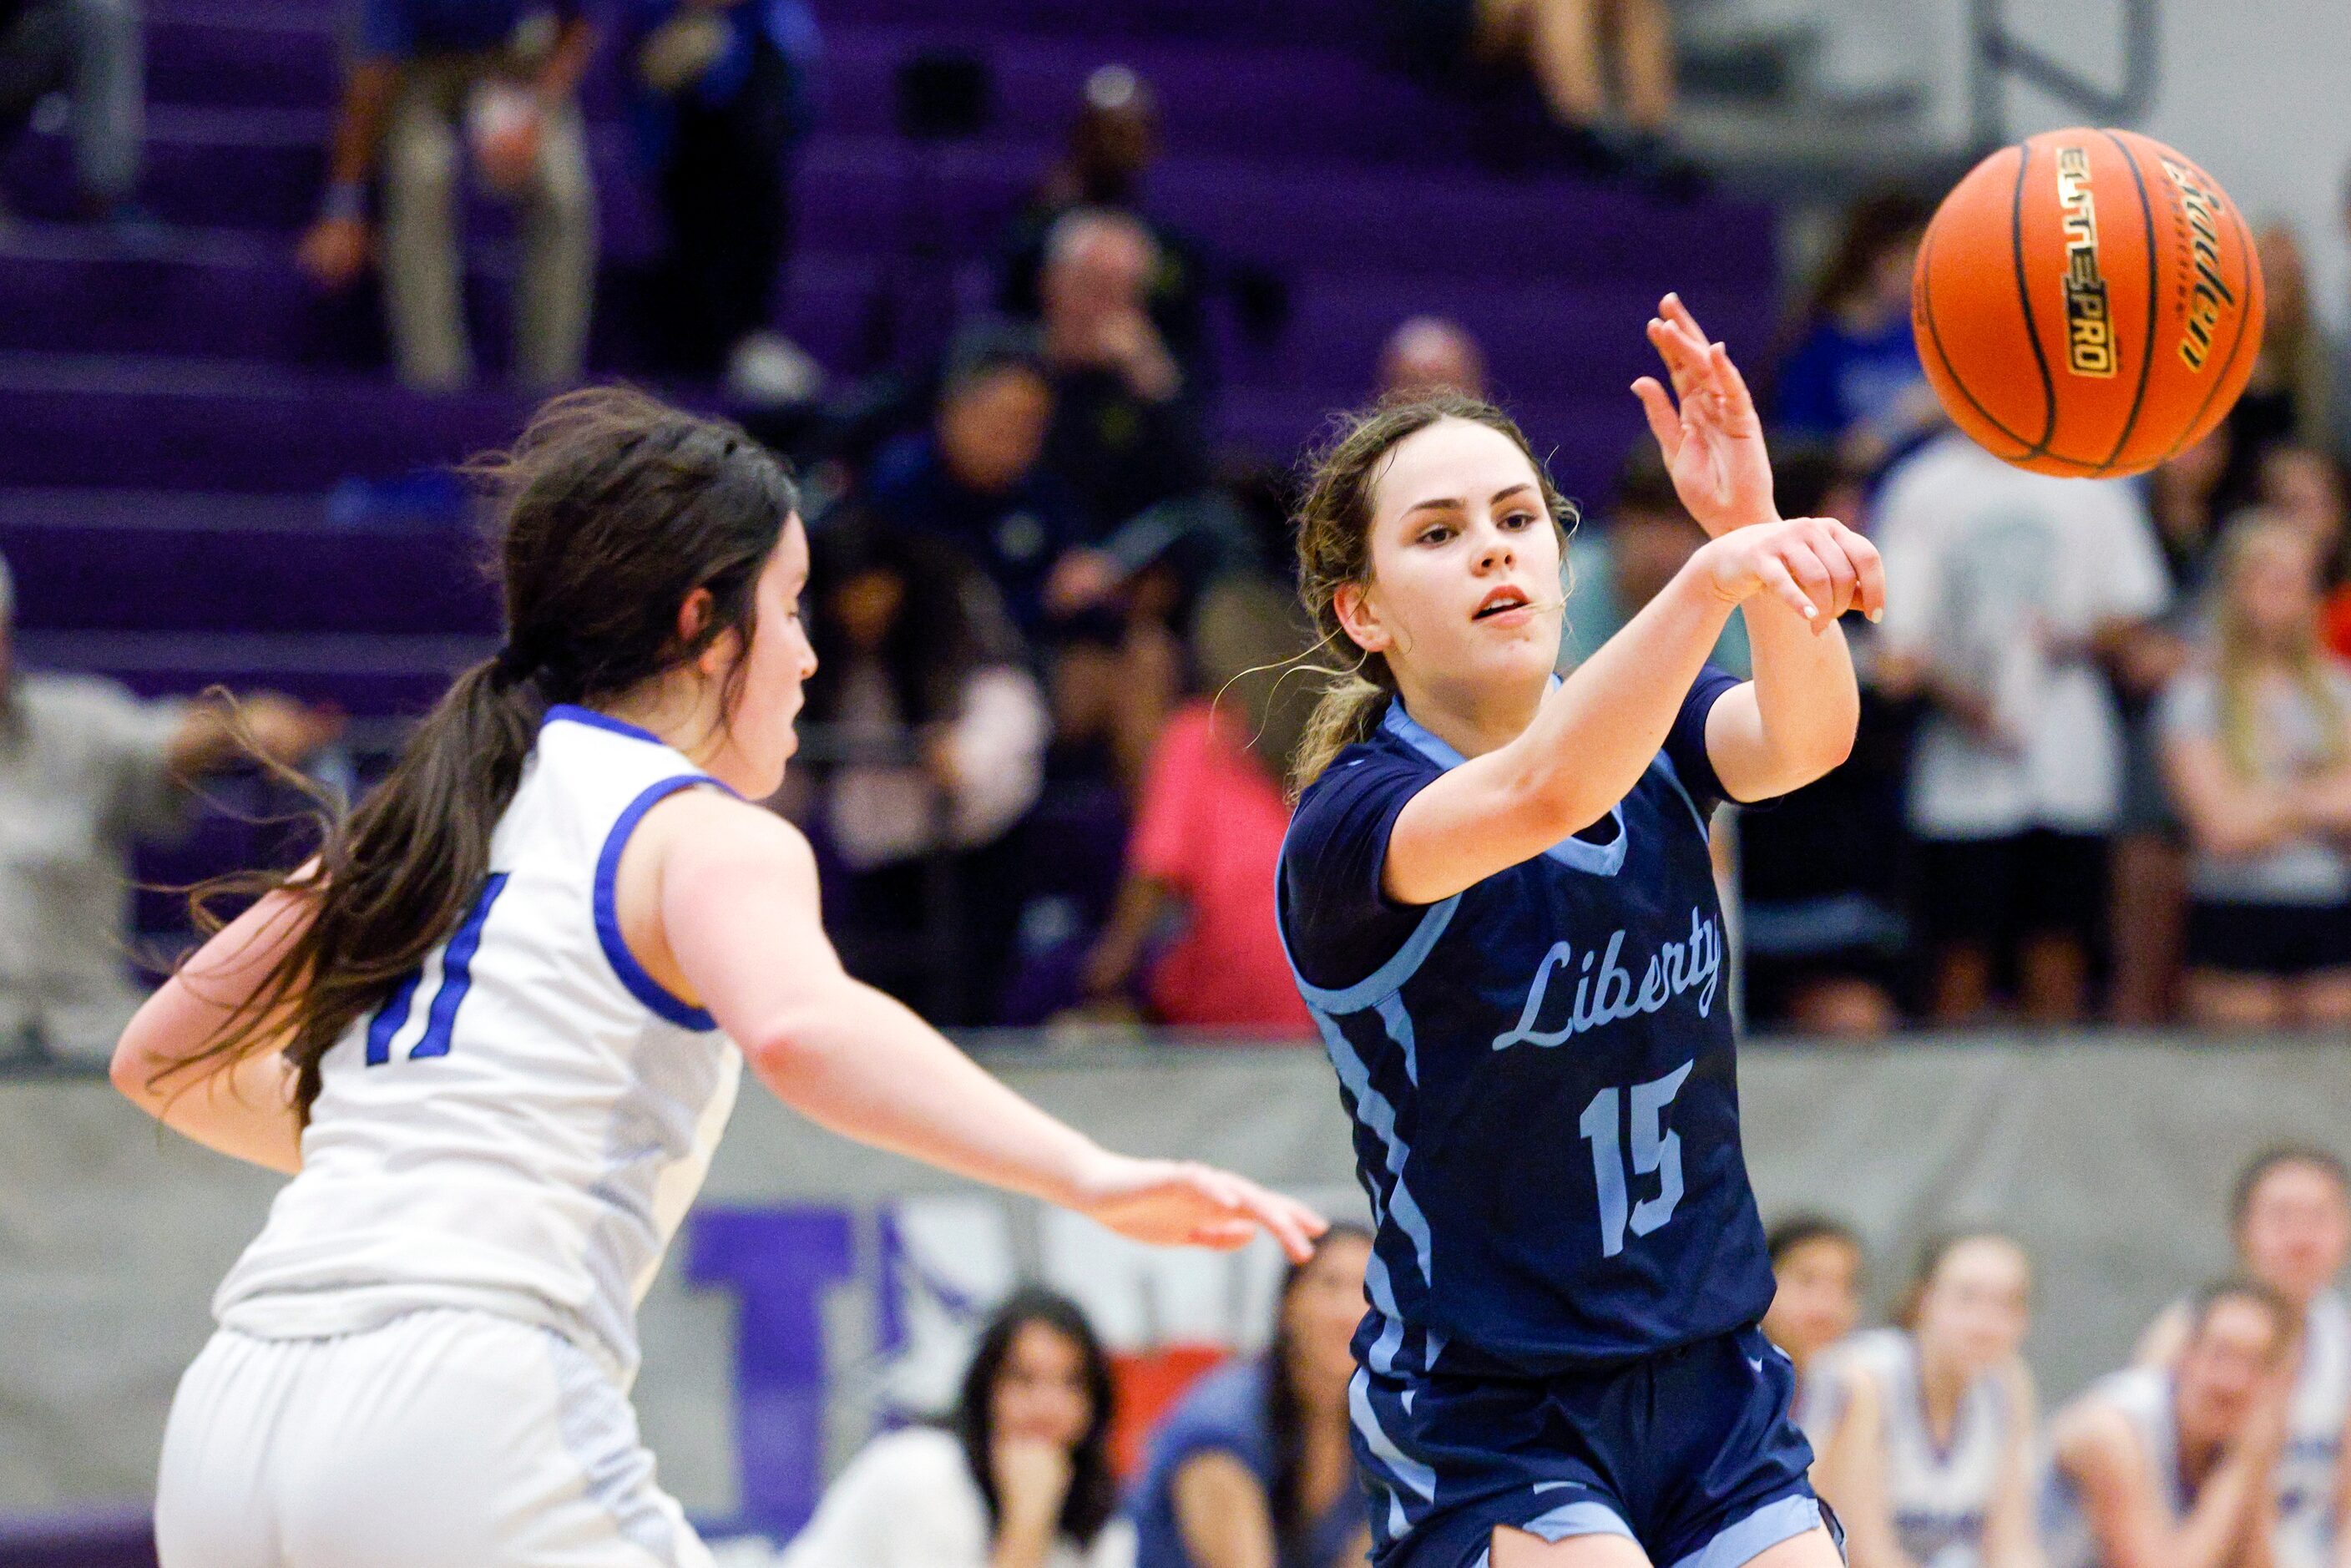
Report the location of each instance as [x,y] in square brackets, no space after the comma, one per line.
[2258,743]
[1853,379]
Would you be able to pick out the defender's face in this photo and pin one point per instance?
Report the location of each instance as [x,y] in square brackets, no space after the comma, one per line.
[760,737]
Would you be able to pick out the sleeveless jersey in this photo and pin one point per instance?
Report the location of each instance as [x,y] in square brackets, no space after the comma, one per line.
[1940,1492]
[520,1126]
[2143,1395]
[1540,1070]
[2321,1403]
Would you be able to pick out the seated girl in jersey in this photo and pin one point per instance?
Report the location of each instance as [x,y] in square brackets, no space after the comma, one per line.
[1927,1440]
[1020,1478]
[1253,1467]
[1816,1269]
[2156,1470]
[1497,898]
[494,1027]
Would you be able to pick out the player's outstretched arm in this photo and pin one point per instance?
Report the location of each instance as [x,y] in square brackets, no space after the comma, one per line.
[241,1106]
[732,891]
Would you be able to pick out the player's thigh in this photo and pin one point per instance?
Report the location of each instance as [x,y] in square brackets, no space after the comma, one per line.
[1517,1549]
[1814,1549]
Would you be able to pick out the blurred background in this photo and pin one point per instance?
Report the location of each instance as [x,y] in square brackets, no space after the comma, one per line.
[1045,301]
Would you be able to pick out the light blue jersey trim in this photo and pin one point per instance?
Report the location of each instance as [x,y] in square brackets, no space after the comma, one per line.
[1581,1517]
[1380,1115]
[1410,1471]
[1389,978]
[632,974]
[1752,1536]
[1576,855]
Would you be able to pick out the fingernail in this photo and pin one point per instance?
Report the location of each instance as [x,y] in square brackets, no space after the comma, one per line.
[1876,615]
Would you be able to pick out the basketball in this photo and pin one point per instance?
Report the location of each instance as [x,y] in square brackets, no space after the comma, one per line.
[2086,303]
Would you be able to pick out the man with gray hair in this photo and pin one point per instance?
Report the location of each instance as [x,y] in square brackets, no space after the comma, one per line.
[87,769]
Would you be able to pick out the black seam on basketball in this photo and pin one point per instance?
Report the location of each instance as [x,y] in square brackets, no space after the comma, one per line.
[2147,352]
[2024,298]
[1926,308]
[2221,378]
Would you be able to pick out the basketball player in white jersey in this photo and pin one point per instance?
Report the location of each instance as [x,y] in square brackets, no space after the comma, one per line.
[2155,1469]
[1928,1452]
[494,1030]
[2290,1217]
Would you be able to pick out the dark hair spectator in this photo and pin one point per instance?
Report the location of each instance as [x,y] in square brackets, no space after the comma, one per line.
[1020,1472]
[433,87]
[1853,377]
[1816,1262]
[1255,1465]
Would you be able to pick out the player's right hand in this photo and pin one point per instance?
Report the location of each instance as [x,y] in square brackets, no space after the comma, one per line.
[1816,567]
[1182,1203]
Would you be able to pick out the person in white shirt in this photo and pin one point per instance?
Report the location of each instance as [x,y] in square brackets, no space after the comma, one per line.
[2008,595]
[1019,1477]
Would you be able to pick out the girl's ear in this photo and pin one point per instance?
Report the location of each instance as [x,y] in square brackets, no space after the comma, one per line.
[1359,617]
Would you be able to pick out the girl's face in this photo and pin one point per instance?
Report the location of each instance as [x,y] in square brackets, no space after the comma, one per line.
[2296,1230]
[758,735]
[2275,586]
[1463,596]
[1320,1314]
[1040,1393]
[1975,1306]
[1819,1297]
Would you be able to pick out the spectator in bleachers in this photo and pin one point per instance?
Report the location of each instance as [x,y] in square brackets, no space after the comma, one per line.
[1816,1264]
[86,771]
[1853,379]
[1110,148]
[2155,1471]
[1428,355]
[2290,1220]
[2291,395]
[435,85]
[95,51]
[2184,502]
[1930,1430]
[1254,1468]
[2009,596]
[2258,743]
[923,680]
[723,95]
[1019,1477]
[977,475]
[1124,435]
[2306,488]
[1207,832]
[1612,570]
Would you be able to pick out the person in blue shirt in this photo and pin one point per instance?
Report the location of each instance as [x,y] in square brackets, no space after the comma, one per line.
[1852,380]
[1497,898]
[1253,1467]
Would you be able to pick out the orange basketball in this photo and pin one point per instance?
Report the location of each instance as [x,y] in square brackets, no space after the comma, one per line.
[2086,304]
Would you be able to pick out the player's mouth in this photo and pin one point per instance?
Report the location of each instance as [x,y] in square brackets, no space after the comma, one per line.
[1506,604]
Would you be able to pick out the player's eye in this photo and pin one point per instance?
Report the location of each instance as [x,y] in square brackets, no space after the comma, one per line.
[1518,519]
[1435,534]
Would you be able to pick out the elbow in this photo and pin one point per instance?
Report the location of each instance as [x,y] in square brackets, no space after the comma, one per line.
[132,1068]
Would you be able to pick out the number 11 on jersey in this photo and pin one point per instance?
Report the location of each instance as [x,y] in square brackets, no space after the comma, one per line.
[1655,1152]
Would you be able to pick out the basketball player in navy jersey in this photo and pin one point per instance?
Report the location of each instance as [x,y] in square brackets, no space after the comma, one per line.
[1497,897]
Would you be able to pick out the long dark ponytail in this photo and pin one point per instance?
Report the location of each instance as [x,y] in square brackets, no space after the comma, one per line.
[611,509]
[1285,1412]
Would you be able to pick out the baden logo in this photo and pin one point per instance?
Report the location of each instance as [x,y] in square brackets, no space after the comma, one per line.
[2089,329]
[1606,993]
[2207,296]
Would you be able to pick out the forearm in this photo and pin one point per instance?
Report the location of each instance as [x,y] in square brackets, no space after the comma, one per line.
[2215,1528]
[244,1111]
[1806,697]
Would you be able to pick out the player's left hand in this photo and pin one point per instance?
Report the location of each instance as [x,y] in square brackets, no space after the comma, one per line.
[1713,442]
[1182,1203]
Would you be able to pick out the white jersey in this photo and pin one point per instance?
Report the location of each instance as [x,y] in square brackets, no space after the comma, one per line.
[2143,1395]
[1939,1493]
[521,1127]
[2313,1437]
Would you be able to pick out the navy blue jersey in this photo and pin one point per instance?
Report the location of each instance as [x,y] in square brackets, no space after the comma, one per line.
[1540,1070]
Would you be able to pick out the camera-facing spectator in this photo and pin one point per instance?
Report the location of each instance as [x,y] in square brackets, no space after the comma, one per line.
[86,771]
[723,93]
[2010,599]
[1255,1467]
[2257,741]
[1816,1269]
[1019,1477]
[94,51]
[1853,379]
[977,476]
[1429,354]
[2291,395]
[488,86]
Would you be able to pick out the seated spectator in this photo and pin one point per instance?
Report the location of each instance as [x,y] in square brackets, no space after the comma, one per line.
[1208,828]
[1255,1467]
[1853,380]
[438,83]
[2291,395]
[95,51]
[1816,1264]
[1109,151]
[1615,569]
[723,95]
[975,476]
[2009,596]
[2175,1471]
[2184,501]
[1019,1477]
[1123,434]
[2290,1220]
[1429,354]
[941,733]
[2258,743]
[86,771]
[1928,1455]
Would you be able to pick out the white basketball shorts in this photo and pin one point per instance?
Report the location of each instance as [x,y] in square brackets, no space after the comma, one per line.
[447,1438]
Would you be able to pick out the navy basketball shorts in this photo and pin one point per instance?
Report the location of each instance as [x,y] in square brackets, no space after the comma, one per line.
[1690,1453]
